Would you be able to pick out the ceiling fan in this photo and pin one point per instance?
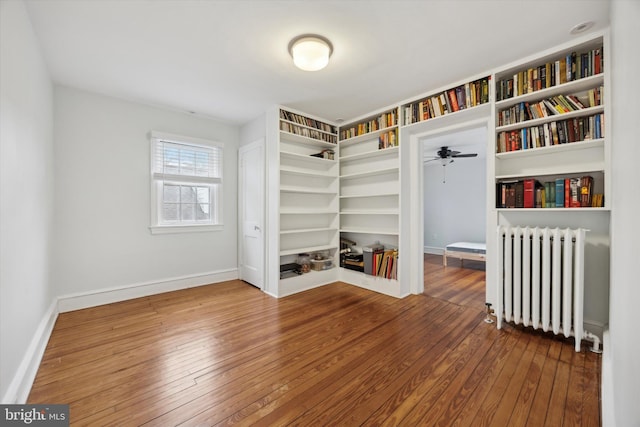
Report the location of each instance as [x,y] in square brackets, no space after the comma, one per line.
[446,155]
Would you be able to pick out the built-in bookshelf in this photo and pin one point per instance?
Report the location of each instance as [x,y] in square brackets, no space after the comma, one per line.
[308,207]
[548,192]
[550,131]
[579,63]
[369,198]
[343,187]
[458,98]
[569,113]
[380,124]
[298,124]
[552,106]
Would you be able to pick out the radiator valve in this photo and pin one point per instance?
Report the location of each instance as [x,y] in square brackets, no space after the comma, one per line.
[488,319]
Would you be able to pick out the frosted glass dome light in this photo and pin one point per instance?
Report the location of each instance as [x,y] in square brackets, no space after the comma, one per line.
[310,52]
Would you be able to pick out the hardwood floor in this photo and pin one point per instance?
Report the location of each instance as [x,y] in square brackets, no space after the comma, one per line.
[463,286]
[337,355]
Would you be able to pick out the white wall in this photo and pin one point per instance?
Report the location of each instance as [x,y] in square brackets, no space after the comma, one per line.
[253,130]
[454,211]
[624,353]
[26,189]
[102,196]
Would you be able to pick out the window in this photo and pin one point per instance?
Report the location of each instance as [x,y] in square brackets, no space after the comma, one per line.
[186,181]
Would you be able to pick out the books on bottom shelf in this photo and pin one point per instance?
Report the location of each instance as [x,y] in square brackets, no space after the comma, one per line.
[381,262]
[558,193]
[387,264]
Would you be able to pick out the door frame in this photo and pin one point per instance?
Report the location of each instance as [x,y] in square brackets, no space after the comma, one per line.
[415,217]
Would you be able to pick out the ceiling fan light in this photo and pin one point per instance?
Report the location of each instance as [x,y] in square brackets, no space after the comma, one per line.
[310,52]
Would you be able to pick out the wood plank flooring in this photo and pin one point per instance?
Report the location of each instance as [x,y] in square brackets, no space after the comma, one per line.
[227,354]
[463,286]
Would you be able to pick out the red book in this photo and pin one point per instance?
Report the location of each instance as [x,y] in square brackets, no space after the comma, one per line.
[567,193]
[529,193]
[453,99]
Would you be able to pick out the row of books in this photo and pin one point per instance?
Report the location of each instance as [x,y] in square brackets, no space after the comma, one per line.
[459,98]
[306,121]
[385,264]
[553,106]
[553,133]
[384,120]
[309,133]
[388,139]
[559,193]
[571,67]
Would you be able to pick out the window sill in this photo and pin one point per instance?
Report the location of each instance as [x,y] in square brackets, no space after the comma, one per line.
[191,228]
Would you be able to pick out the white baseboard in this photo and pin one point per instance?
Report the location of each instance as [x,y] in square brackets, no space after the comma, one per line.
[606,385]
[433,250]
[373,283]
[270,294]
[110,295]
[20,386]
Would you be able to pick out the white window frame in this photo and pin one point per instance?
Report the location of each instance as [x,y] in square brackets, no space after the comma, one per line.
[158,179]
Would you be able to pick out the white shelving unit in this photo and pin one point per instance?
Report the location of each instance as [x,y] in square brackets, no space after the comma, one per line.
[370,190]
[308,196]
[588,155]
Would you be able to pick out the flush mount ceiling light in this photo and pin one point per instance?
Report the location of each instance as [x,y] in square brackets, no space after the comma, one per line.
[310,52]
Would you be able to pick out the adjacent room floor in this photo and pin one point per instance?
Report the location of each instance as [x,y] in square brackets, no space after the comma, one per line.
[461,282]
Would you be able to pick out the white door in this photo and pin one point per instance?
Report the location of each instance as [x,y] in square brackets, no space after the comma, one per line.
[251,212]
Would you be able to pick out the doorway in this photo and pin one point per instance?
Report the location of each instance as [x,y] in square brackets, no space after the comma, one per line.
[454,210]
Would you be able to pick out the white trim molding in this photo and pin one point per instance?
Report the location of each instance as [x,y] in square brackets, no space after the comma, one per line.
[137,290]
[20,386]
[606,383]
[161,176]
[433,250]
[186,228]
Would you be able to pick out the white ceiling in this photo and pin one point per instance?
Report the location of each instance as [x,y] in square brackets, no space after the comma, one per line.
[228,59]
